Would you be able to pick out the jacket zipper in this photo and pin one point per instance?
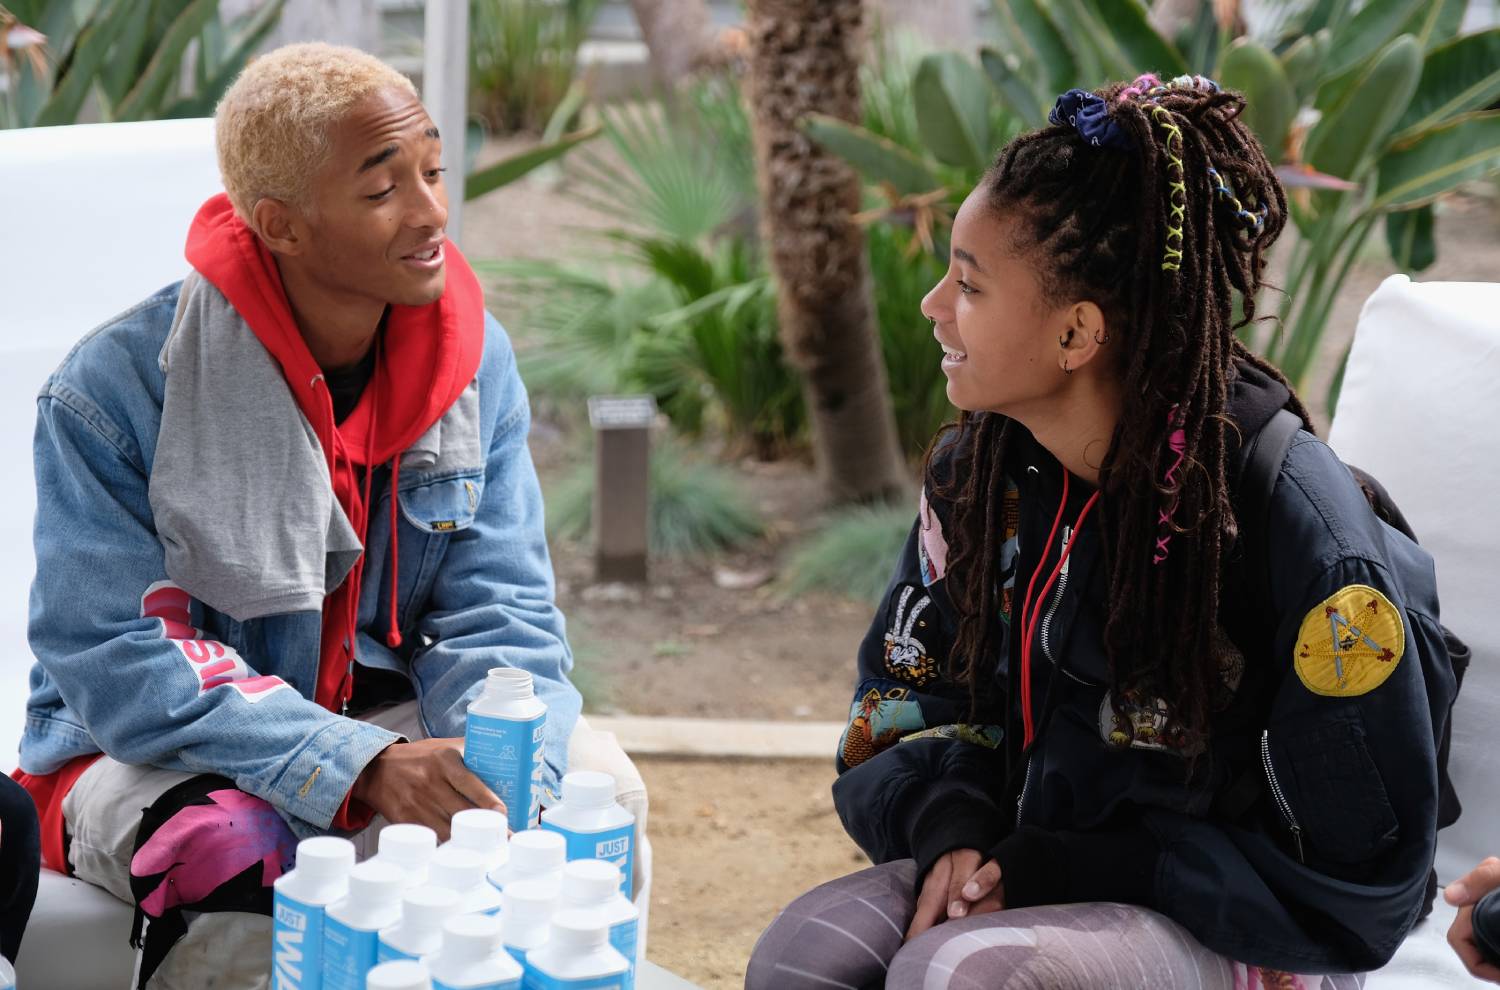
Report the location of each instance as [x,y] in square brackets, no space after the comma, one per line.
[1278,796]
[1057,596]
[1025,783]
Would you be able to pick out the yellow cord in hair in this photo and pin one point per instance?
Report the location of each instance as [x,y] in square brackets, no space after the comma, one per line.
[1177,191]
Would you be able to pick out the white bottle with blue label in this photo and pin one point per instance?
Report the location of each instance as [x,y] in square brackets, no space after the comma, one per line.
[320,878]
[526,915]
[577,956]
[419,933]
[503,741]
[7,975]
[351,928]
[408,847]
[403,974]
[594,885]
[462,871]
[534,855]
[473,958]
[594,825]
[484,832]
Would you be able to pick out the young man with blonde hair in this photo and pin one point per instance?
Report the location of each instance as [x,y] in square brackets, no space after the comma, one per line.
[287,521]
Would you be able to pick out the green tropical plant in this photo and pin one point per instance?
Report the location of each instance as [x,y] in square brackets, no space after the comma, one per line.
[851,555]
[129,55]
[901,273]
[697,507]
[523,58]
[1372,114]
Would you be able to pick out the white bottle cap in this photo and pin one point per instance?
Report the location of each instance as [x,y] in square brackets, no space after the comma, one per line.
[408,846]
[588,882]
[508,684]
[528,902]
[424,909]
[578,930]
[536,852]
[471,938]
[456,869]
[588,789]
[403,974]
[325,857]
[375,884]
[479,829]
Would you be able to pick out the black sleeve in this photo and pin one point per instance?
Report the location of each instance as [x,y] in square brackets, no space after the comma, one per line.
[1043,867]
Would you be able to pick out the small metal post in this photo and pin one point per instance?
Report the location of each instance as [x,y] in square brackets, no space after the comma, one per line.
[622,488]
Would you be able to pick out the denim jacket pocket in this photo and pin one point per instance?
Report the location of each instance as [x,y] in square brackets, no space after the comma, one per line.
[443,505]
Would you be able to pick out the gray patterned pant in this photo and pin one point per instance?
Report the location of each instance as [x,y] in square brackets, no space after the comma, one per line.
[848,933]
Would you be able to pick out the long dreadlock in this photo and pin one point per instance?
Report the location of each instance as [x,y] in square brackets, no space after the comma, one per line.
[1163,236]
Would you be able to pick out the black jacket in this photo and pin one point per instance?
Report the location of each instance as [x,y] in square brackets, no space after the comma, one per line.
[1302,836]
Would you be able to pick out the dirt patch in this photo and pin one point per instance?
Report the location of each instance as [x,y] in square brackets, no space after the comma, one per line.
[734,842]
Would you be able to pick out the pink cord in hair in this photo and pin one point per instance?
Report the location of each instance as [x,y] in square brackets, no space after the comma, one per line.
[1139,87]
[1177,443]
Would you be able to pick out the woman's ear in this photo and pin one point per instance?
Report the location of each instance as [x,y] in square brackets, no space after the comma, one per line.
[1084,337]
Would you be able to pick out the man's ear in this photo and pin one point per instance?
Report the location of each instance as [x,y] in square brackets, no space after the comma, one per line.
[279,225]
[1084,337]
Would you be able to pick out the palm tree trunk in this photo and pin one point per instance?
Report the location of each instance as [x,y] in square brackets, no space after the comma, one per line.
[678,34]
[804,57]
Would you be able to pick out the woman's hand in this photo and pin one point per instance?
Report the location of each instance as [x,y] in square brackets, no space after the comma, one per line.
[946,889]
[1463,894]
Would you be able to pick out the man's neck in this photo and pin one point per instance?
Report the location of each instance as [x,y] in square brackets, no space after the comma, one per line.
[339,329]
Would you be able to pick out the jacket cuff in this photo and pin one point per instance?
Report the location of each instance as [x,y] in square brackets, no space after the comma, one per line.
[943,820]
[315,783]
[1038,866]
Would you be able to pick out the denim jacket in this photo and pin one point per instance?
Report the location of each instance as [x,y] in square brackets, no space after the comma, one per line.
[127,664]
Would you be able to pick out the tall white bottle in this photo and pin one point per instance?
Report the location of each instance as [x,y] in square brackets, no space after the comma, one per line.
[419,933]
[577,956]
[503,741]
[402,974]
[7,975]
[472,957]
[351,927]
[594,824]
[484,832]
[526,916]
[462,871]
[535,854]
[321,877]
[409,847]
[594,885]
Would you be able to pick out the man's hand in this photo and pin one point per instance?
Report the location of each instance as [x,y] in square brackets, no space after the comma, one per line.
[423,782]
[1463,894]
[941,896]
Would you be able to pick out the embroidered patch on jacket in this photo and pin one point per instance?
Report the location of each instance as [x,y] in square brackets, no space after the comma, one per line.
[877,720]
[1141,725]
[1350,643]
[932,545]
[988,736]
[1010,547]
[906,658]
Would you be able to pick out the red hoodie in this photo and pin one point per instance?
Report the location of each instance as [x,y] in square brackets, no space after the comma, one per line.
[428,356]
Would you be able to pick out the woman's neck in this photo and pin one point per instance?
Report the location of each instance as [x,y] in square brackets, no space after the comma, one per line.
[1079,429]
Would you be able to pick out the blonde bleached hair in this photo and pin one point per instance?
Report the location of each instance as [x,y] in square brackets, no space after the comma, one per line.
[272,125]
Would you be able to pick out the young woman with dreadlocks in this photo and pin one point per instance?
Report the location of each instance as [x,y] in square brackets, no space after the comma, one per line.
[1085,749]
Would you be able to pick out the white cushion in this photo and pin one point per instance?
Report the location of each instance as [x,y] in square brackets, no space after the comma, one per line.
[1419,410]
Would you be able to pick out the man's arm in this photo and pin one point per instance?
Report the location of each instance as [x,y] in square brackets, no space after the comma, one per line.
[492,600]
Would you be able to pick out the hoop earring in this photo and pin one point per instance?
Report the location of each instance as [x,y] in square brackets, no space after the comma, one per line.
[1067,370]
[1101,338]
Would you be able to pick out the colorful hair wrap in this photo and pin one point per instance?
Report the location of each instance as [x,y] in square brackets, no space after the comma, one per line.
[1256,220]
[1088,114]
[1177,190]
[1177,443]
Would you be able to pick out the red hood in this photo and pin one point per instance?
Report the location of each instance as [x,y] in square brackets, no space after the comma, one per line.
[431,353]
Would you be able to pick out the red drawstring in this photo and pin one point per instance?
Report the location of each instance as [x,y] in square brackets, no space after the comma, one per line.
[393,635]
[1028,630]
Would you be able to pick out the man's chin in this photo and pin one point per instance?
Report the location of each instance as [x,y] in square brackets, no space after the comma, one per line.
[423,291]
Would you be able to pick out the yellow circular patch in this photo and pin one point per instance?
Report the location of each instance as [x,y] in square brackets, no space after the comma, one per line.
[1350,644]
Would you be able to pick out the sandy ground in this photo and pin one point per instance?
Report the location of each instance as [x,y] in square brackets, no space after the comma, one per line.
[736,840]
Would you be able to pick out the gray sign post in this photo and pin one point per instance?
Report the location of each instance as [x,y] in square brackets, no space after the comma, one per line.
[622,487]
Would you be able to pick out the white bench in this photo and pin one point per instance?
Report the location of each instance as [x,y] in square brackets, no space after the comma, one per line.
[1419,409]
[95,220]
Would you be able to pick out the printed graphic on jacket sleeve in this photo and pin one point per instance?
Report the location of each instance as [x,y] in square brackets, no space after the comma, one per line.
[932,545]
[877,720]
[1010,548]
[906,658]
[988,736]
[212,662]
[1350,643]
